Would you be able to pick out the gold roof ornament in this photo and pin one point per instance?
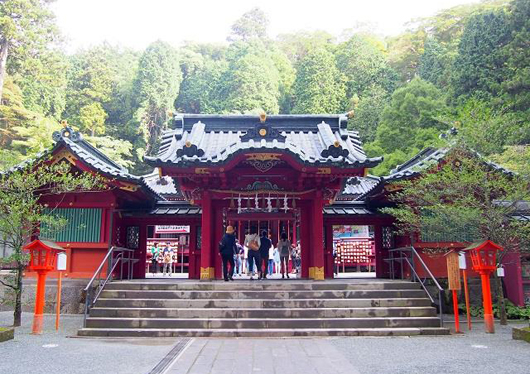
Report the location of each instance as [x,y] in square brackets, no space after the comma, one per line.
[188,144]
[262,117]
[336,143]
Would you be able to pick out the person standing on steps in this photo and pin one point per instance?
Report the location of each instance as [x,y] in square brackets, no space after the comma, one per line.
[265,245]
[155,252]
[227,250]
[167,259]
[270,266]
[252,242]
[284,248]
[276,257]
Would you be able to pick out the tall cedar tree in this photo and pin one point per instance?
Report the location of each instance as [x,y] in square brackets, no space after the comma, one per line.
[26,28]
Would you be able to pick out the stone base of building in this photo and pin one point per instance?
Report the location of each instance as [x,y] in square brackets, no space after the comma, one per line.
[72,299]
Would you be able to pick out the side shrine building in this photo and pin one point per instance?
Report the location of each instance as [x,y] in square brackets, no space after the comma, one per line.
[305,175]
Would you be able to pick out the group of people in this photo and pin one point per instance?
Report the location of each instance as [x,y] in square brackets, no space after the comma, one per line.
[162,254]
[257,255]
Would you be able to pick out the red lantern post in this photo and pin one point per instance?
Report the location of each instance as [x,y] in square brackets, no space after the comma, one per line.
[484,259]
[43,254]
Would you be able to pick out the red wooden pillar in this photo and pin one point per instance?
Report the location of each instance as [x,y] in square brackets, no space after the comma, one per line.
[207,269]
[329,260]
[316,269]
[380,254]
[305,238]
[192,252]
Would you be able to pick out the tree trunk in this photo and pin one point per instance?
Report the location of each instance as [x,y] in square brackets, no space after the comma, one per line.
[17,314]
[501,301]
[4,47]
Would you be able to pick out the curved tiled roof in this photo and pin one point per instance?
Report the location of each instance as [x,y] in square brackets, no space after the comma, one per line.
[429,157]
[90,155]
[357,188]
[214,139]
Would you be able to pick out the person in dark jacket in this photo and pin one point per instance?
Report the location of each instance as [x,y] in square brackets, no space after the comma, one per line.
[265,244]
[227,249]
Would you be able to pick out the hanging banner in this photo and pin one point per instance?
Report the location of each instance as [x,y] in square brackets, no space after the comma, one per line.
[172,229]
[350,231]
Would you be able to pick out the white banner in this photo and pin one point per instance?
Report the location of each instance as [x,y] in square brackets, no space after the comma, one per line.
[172,229]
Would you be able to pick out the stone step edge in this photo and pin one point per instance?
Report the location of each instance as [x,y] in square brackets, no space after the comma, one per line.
[121,309]
[397,299]
[263,319]
[266,333]
[268,291]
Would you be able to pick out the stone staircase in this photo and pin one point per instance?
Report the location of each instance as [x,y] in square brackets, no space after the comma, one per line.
[171,308]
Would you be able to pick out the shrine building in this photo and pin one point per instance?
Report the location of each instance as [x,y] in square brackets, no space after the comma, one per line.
[305,175]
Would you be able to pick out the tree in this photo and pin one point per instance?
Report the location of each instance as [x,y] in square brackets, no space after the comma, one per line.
[484,128]
[367,112]
[297,45]
[319,86]
[26,28]
[516,88]
[21,211]
[252,81]
[465,195]
[90,85]
[200,91]
[411,121]
[479,68]
[43,82]
[516,158]
[156,86]
[363,62]
[434,63]
[252,24]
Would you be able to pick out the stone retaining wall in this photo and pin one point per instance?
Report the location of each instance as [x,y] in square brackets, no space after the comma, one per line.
[72,299]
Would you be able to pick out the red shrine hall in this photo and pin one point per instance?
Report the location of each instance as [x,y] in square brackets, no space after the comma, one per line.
[305,175]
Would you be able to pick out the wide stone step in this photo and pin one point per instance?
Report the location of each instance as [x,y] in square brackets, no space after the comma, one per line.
[246,294]
[261,323]
[267,333]
[260,303]
[262,312]
[245,285]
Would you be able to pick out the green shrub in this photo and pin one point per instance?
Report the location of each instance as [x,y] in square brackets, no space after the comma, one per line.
[512,311]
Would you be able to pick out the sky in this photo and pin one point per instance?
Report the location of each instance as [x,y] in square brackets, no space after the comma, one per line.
[136,23]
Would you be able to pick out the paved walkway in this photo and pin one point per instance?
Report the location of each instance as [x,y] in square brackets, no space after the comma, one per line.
[472,353]
[263,356]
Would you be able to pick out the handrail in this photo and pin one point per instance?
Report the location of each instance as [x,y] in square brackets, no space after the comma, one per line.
[415,277]
[112,265]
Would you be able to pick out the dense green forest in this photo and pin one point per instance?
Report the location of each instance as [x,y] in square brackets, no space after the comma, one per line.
[467,67]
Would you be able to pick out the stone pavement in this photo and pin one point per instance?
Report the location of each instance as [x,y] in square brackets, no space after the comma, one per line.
[50,353]
[263,356]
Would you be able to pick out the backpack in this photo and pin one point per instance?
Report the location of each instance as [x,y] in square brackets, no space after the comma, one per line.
[253,244]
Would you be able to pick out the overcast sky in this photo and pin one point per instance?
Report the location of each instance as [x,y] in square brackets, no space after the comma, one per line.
[136,23]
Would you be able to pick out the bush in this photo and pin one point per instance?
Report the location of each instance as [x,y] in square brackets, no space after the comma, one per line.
[512,311]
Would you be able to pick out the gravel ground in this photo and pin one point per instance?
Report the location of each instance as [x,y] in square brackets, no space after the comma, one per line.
[474,352]
[56,352]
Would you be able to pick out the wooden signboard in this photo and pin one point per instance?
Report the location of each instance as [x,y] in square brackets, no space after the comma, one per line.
[453,271]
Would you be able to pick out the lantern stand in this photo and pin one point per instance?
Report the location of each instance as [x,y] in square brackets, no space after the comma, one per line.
[483,257]
[43,254]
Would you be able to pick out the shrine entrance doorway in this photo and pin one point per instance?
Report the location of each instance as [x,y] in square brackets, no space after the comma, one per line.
[274,224]
[354,251]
